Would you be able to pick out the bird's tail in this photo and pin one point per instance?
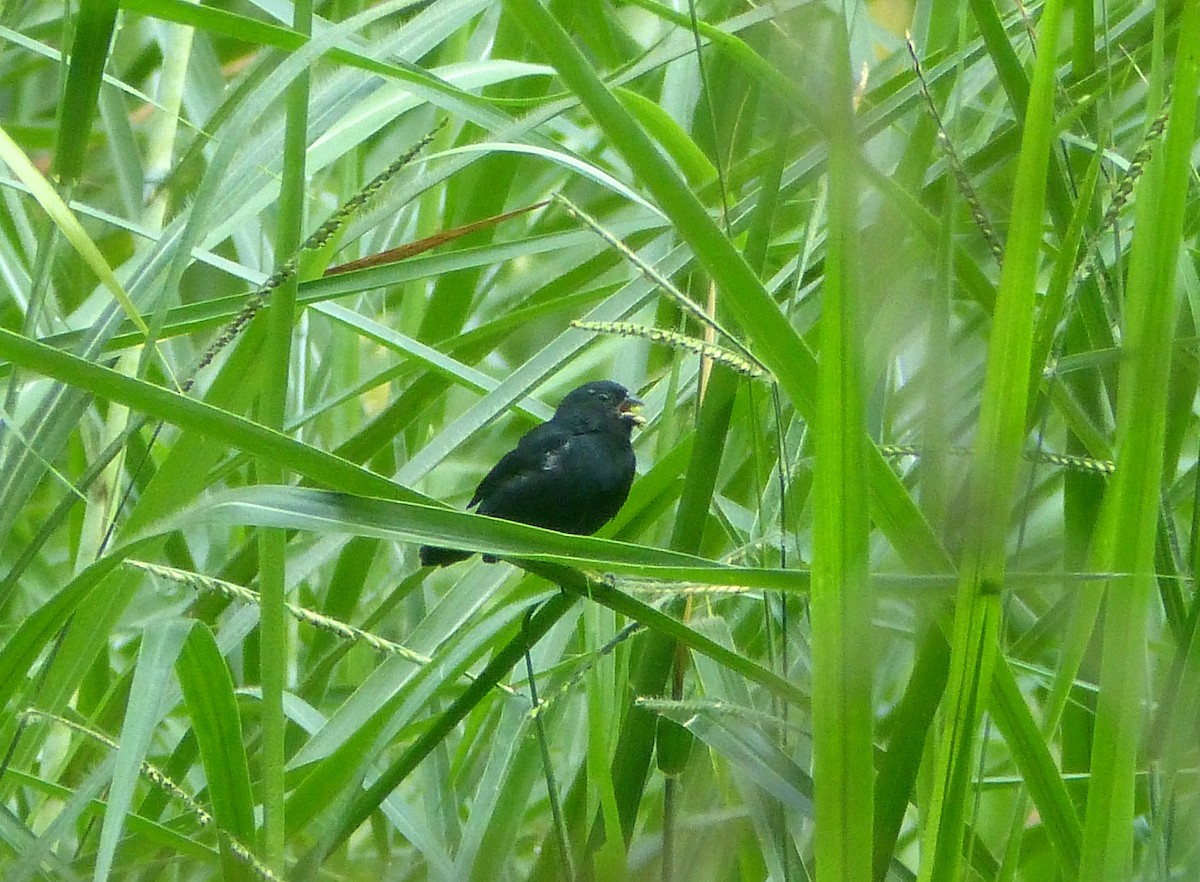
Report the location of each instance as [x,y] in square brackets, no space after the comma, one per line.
[432,556]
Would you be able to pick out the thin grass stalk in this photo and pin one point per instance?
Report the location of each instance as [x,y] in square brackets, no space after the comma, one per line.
[274,655]
[539,724]
[961,179]
[843,767]
[993,480]
[1127,539]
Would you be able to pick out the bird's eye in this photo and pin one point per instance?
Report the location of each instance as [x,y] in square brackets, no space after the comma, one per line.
[604,396]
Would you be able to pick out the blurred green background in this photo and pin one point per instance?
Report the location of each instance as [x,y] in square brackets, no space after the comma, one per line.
[915,600]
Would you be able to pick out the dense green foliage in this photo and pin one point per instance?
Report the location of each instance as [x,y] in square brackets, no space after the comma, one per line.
[879,606]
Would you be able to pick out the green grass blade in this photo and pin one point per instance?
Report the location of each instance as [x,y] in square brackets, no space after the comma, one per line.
[89,52]
[841,599]
[1128,544]
[159,650]
[212,707]
[993,481]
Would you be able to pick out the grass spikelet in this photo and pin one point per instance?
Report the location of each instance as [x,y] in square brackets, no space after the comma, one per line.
[159,779]
[677,341]
[961,179]
[240,593]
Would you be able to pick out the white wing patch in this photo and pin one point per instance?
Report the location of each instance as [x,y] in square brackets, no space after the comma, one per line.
[554,457]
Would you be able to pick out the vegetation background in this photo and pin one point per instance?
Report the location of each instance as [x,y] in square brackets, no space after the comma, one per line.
[879,605]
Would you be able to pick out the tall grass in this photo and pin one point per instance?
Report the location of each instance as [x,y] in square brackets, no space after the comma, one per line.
[926,360]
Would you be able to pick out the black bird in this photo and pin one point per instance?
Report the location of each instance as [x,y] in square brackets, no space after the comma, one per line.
[571,474]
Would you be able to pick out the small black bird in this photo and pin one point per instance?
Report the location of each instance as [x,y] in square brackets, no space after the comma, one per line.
[570,474]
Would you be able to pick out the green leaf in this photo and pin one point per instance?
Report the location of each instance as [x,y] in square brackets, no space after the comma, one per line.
[213,711]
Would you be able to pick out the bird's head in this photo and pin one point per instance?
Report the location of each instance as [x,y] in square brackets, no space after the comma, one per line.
[600,405]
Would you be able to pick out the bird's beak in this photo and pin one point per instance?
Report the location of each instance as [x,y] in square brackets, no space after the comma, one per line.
[626,409]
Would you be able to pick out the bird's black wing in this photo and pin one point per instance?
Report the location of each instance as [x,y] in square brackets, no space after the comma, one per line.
[528,457]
